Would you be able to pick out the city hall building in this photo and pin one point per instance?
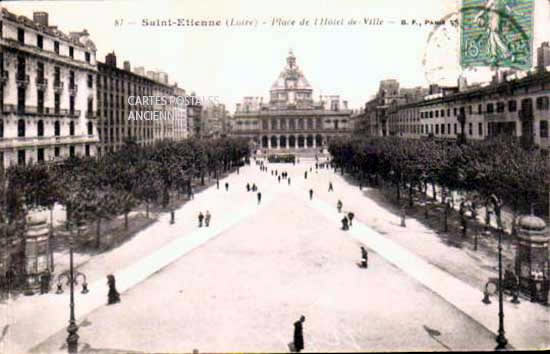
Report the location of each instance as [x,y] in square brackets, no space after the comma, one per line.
[291,121]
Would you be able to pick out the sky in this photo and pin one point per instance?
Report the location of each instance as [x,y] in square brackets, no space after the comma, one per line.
[231,62]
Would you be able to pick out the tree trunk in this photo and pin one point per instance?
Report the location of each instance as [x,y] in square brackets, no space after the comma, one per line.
[50,239]
[126,220]
[411,203]
[98,233]
[398,186]
[147,210]
[434,191]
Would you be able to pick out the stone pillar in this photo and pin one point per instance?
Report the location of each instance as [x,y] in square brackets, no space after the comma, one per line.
[38,260]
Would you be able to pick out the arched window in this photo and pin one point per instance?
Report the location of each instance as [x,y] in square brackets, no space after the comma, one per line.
[40,128]
[57,128]
[71,128]
[21,128]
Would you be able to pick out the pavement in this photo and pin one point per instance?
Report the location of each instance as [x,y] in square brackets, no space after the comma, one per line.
[402,320]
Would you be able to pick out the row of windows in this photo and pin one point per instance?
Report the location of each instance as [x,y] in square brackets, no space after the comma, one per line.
[445,129]
[22,128]
[21,38]
[22,154]
[542,103]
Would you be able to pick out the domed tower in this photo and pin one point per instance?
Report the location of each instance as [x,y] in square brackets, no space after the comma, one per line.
[291,89]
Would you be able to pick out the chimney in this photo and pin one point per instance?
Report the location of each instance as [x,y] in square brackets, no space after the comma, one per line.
[110,59]
[127,66]
[41,18]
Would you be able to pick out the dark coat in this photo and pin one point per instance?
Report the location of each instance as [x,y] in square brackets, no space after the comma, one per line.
[298,336]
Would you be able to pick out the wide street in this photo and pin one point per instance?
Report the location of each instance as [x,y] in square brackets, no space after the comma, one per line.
[265,265]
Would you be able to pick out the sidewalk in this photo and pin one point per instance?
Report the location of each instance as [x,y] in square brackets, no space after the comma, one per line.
[21,318]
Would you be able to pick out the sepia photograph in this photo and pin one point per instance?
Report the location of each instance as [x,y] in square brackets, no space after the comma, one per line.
[274,176]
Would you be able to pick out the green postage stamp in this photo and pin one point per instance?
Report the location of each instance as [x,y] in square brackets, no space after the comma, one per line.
[497,33]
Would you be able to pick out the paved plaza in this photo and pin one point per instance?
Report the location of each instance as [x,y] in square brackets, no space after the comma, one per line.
[240,284]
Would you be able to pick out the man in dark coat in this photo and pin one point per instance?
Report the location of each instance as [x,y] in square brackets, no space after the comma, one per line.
[299,334]
[330,189]
[364,258]
[310,194]
[113,296]
[259,197]
[226,186]
[345,223]
[201,217]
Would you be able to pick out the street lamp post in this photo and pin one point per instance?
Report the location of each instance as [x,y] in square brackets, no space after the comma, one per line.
[72,279]
[501,339]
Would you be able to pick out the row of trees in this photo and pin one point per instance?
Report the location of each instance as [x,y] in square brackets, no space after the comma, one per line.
[496,173]
[97,189]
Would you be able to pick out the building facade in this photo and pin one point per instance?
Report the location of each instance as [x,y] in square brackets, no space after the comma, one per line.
[213,119]
[47,93]
[291,121]
[516,107]
[121,119]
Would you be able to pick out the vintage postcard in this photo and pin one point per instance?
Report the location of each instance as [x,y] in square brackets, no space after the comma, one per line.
[215,176]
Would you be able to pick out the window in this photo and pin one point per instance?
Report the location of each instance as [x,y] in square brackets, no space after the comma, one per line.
[479,109]
[436,114]
[71,151]
[454,111]
[40,155]
[490,108]
[71,52]
[57,103]
[87,57]
[431,114]
[448,112]
[454,129]
[91,129]
[87,147]
[1,129]
[470,110]
[437,129]
[40,101]
[21,35]
[21,157]
[480,129]
[21,128]
[57,128]
[544,129]
[56,47]
[500,107]
[57,151]
[40,128]
[443,113]
[449,128]
[542,103]
[40,41]
[470,129]
[71,105]
[512,106]
[71,129]
[71,79]
[90,105]
[442,129]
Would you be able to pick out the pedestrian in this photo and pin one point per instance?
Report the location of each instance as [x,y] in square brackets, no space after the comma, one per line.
[279,179]
[289,181]
[310,169]
[254,188]
[217,184]
[113,296]
[305,175]
[299,334]
[259,197]
[248,187]
[350,217]
[310,194]
[207,219]
[226,186]
[339,205]
[345,225]
[272,172]
[201,218]
[276,172]
[330,189]
[364,258]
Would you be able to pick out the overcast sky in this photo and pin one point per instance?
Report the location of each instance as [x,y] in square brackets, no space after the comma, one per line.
[232,62]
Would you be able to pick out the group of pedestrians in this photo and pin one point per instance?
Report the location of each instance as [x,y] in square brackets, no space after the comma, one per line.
[204,217]
[252,188]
